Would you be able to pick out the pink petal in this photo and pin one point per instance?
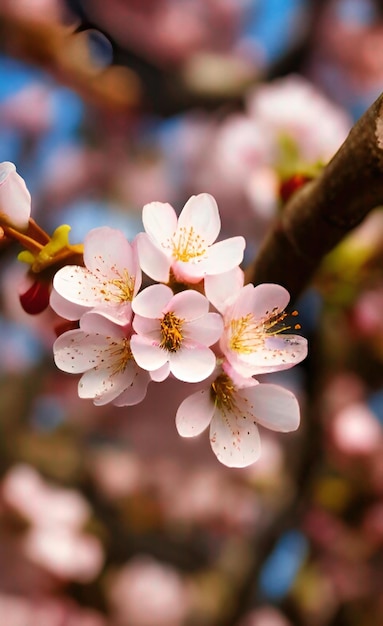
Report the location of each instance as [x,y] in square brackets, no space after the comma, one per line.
[201,213]
[95,323]
[76,352]
[205,330]
[192,365]
[153,261]
[147,326]
[148,355]
[15,199]
[261,300]
[275,408]
[222,289]
[161,374]
[279,353]
[160,221]
[104,386]
[188,305]
[234,438]
[78,285]
[64,308]
[107,253]
[152,301]
[194,414]
[136,391]
[225,255]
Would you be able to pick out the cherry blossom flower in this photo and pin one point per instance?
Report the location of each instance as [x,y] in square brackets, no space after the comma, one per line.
[108,282]
[15,199]
[174,332]
[186,245]
[234,409]
[100,350]
[254,341]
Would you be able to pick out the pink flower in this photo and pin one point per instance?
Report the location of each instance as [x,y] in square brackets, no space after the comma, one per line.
[234,410]
[186,245]
[15,199]
[101,351]
[253,340]
[108,282]
[174,332]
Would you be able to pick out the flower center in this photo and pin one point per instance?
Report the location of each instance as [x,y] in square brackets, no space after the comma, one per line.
[222,392]
[187,245]
[171,332]
[119,289]
[248,334]
[121,354]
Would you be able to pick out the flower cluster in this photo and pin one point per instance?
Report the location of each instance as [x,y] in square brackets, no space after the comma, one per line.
[197,323]
[192,318]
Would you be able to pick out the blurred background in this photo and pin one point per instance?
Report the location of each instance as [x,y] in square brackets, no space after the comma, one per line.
[107,516]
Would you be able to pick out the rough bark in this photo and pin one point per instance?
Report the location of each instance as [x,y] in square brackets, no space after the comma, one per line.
[319,215]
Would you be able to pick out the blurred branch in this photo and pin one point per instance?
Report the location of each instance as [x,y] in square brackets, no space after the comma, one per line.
[319,215]
[64,53]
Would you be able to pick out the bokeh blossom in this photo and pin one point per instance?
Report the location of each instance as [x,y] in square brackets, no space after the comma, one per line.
[186,245]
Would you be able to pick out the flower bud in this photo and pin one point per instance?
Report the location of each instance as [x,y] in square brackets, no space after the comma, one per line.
[15,199]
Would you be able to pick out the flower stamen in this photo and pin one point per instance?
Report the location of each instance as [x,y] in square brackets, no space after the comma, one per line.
[171,332]
[248,333]
[222,392]
[187,245]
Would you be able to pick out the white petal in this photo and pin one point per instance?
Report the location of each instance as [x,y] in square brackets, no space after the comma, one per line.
[234,438]
[201,213]
[192,365]
[153,261]
[102,386]
[205,330]
[278,353]
[194,414]
[76,351]
[108,253]
[275,408]
[152,301]
[160,221]
[64,308]
[78,285]
[222,289]
[161,374]
[136,391]
[189,305]
[95,323]
[147,326]
[225,255]
[149,356]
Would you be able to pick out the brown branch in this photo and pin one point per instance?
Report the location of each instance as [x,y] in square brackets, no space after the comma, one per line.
[326,209]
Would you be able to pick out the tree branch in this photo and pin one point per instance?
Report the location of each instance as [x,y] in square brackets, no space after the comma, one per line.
[319,215]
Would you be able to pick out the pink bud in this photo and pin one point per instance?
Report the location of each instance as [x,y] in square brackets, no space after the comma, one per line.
[15,199]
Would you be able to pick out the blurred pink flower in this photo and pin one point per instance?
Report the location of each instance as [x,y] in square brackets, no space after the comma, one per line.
[67,555]
[234,411]
[147,593]
[174,332]
[41,504]
[15,199]
[356,431]
[108,282]
[54,540]
[45,611]
[186,245]
[265,616]
[293,107]
[101,351]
